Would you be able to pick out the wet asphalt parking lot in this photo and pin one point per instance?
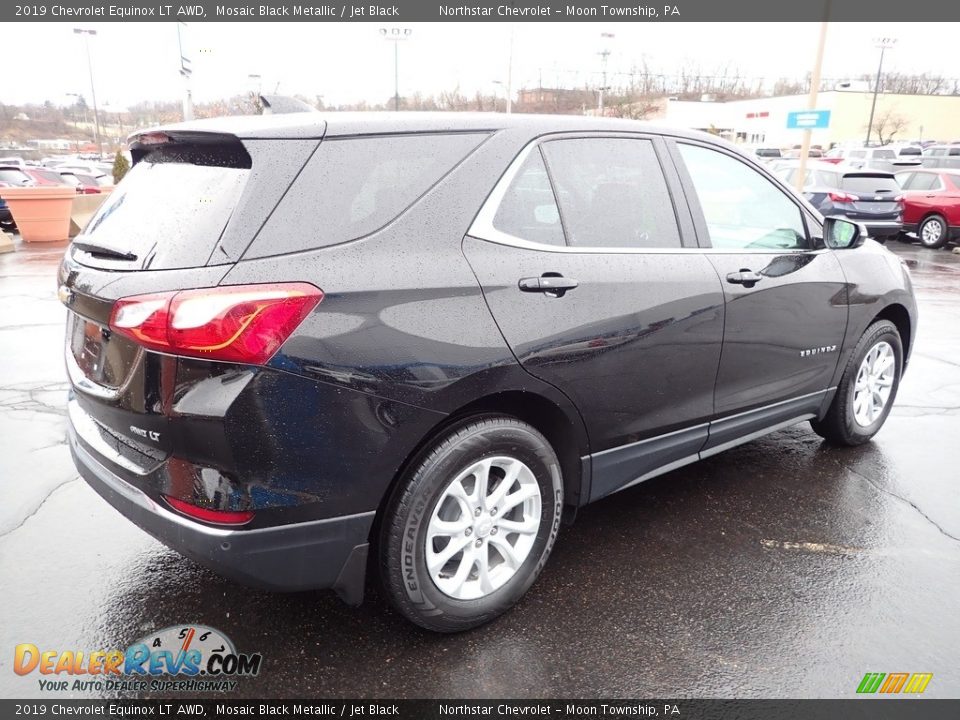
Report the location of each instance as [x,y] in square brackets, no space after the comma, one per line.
[782,568]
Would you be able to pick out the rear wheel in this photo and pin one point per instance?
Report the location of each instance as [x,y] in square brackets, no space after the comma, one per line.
[933,232]
[867,389]
[473,524]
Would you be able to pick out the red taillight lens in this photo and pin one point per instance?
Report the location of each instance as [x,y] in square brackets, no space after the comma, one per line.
[237,323]
[843,197]
[217,517]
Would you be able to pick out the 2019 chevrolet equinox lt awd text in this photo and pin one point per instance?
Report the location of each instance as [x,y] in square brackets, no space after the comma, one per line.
[305,346]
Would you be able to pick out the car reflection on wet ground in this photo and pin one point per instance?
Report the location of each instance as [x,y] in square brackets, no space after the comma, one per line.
[782,568]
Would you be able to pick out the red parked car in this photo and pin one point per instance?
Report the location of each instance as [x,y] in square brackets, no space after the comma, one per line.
[43,176]
[931,205]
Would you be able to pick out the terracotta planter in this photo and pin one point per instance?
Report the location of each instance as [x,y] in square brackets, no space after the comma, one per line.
[42,214]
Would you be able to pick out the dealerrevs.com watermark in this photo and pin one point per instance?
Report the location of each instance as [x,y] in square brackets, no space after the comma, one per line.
[179,658]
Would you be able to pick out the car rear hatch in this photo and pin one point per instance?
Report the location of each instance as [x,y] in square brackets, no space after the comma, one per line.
[878,195]
[185,212]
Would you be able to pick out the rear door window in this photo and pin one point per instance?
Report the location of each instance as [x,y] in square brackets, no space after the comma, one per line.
[612,193]
[353,187]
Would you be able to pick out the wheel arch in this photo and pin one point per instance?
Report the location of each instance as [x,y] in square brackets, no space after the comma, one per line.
[562,426]
[899,316]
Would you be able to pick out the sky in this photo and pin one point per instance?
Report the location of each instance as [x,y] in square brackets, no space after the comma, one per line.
[350,62]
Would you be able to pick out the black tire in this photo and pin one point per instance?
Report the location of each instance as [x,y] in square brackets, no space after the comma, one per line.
[403,537]
[839,426]
[938,239]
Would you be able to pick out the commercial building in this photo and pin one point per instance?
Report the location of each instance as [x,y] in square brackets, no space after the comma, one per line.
[764,120]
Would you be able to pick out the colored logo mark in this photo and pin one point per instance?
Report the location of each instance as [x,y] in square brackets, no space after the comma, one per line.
[893,683]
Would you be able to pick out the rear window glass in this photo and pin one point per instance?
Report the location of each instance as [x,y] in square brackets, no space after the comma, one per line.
[911,151]
[884,154]
[768,152]
[14,177]
[352,187]
[169,211]
[870,184]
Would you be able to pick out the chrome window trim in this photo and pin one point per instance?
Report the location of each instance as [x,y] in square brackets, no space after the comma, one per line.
[482,227]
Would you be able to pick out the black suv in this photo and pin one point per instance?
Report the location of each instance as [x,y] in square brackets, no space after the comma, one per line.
[306,346]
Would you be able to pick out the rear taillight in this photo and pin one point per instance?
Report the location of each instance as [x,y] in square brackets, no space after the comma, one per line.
[237,323]
[216,517]
[843,197]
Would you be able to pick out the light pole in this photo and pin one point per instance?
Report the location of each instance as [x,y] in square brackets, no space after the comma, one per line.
[812,100]
[604,55]
[497,84]
[93,93]
[185,72]
[884,43]
[395,35]
[510,74]
[79,97]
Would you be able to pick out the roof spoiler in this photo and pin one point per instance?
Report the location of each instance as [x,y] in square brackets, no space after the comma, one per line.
[199,148]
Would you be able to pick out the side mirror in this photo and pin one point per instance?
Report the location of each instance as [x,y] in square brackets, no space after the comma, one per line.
[841,234]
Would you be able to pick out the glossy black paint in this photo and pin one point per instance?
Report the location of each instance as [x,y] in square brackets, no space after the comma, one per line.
[649,362]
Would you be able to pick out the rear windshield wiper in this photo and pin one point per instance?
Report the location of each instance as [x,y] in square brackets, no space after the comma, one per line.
[105,251]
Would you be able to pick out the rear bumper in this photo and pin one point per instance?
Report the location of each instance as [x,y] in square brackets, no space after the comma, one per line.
[328,553]
[883,228]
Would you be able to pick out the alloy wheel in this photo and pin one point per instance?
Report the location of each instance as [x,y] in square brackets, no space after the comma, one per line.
[874,384]
[931,231]
[483,527]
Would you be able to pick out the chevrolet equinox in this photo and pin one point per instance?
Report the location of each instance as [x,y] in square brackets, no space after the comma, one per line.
[304,347]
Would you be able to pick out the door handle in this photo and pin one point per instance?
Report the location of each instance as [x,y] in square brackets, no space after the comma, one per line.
[550,283]
[746,277]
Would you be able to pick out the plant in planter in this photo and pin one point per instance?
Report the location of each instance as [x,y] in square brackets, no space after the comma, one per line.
[120,167]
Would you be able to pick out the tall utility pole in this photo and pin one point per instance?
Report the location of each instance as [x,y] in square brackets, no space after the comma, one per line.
[812,98]
[884,43]
[395,35]
[604,56]
[510,73]
[186,70]
[93,93]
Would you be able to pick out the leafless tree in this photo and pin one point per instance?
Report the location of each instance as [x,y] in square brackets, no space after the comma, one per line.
[887,124]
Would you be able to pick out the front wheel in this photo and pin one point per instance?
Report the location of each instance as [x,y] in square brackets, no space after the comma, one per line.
[472,525]
[867,388]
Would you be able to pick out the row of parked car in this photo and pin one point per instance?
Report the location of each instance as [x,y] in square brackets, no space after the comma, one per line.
[915,201]
[86,176]
[888,157]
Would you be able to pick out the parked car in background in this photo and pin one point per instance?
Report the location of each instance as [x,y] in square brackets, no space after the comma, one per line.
[86,184]
[44,176]
[13,161]
[931,205]
[880,158]
[87,168]
[766,154]
[942,156]
[14,176]
[7,223]
[871,197]
[477,370]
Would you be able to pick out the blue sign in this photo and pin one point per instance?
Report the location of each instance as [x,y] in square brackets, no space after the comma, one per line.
[808,120]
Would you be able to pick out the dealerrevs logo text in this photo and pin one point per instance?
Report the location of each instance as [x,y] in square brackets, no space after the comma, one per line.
[190,651]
